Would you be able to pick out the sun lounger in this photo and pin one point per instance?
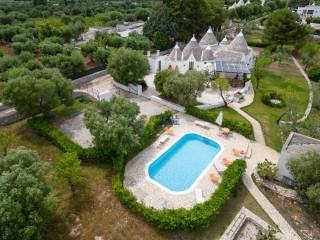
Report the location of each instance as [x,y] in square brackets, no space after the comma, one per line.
[169,131]
[163,140]
[214,177]
[202,124]
[226,161]
[249,151]
[219,167]
[175,120]
[238,153]
[199,196]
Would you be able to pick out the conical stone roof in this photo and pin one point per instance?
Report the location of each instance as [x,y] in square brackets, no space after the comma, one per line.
[176,53]
[207,54]
[208,39]
[192,48]
[239,44]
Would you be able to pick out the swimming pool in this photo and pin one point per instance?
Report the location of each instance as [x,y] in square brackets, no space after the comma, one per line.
[181,165]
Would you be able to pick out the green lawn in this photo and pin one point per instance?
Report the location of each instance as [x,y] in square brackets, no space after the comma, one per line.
[254,36]
[286,80]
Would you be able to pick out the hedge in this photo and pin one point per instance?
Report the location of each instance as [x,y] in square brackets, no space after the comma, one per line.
[243,128]
[198,217]
[63,142]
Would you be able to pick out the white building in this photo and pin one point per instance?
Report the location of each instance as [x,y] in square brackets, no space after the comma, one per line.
[295,145]
[309,11]
[233,57]
[122,29]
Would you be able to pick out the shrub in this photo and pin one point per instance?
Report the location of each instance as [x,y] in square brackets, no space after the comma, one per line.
[198,217]
[268,96]
[267,169]
[50,48]
[160,79]
[243,128]
[314,73]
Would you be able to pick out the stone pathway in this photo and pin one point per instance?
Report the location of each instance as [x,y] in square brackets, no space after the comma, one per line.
[257,130]
[288,232]
[309,107]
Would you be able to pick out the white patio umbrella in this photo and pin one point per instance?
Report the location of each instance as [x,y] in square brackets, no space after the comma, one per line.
[219,119]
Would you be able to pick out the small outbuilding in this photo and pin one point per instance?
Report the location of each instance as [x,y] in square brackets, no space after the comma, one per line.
[295,145]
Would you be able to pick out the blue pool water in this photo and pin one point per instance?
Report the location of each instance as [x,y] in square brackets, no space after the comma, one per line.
[180,165]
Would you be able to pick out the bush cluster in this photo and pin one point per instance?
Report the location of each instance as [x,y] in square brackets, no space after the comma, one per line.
[183,219]
[267,96]
[314,73]
[244,129]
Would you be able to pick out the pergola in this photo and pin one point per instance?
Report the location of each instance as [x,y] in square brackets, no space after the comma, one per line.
[231,67]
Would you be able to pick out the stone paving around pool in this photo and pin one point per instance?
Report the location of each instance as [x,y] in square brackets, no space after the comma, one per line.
[147,192]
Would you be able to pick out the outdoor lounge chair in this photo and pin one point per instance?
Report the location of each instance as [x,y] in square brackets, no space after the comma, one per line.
[238,153]
[214,177]
[175,120]
[169,131]
[202,124]
[199,196]
[226,161]
[163,140]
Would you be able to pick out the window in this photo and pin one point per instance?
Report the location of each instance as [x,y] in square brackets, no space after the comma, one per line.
[159,66]
[191,65]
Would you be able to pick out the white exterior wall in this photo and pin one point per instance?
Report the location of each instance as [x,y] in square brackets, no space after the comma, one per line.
[182,66]
[309,11]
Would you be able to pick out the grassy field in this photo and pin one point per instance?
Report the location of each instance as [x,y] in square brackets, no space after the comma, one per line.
[254,36]
[286,80]
[98,209]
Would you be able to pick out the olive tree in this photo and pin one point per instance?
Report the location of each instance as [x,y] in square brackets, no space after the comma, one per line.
[25,198]
[221,85]
[115,126]
[305,170]
[127,66]
[185,88]
[38,92]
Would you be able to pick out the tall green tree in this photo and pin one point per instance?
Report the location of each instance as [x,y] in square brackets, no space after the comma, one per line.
[115,126]
[25,199]
[309,55]
[127,66]
[283,28]
[38,92]
[259,68]
[162,24]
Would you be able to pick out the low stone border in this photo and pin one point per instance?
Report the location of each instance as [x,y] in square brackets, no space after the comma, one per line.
[243,215]
[287,193]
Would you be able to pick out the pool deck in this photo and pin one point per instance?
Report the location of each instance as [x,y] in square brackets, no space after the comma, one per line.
[146,191]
